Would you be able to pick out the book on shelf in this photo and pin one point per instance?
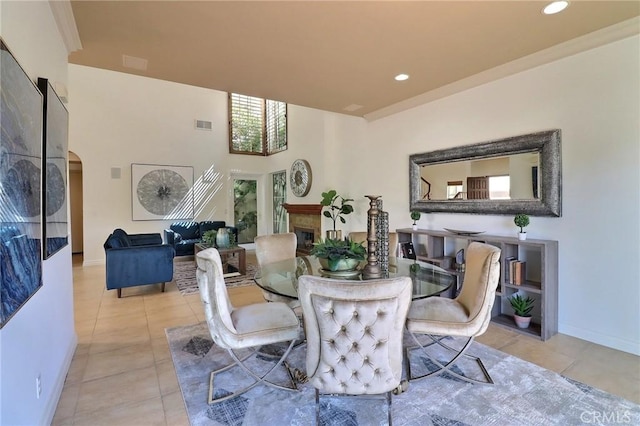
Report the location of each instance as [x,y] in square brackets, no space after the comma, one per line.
[407,250]
[507,269]
[516,272]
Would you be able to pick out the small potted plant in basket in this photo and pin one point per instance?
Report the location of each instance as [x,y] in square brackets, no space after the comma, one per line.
[521,220]
[415,216]
[522,310]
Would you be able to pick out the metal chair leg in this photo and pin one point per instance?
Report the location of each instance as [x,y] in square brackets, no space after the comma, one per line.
[317,407]
[258,379]
[447,366]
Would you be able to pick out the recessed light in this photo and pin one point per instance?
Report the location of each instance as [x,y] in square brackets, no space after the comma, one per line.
[555,7]
[402,77]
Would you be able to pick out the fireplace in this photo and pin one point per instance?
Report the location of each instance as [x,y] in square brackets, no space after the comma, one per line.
[305,220]
[305,238]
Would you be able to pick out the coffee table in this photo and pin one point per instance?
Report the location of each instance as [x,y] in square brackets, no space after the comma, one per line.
[225,253]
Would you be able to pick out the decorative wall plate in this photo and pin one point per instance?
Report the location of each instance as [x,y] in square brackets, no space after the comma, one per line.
[300,178]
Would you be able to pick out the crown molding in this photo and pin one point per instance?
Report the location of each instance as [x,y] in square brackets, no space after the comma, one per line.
[63,15]
[592,40]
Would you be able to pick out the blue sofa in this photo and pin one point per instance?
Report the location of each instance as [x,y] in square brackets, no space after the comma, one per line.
[182,236]
[137,259]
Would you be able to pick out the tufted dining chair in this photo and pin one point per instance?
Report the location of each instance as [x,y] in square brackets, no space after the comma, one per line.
[354,334]
[250,326]
[360,236]
[467,316]
[276,248]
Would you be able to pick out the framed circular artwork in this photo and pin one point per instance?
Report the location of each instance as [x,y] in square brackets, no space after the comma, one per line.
[161,192]
[300,177]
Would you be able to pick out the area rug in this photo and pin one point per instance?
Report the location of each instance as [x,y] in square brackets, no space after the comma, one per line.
[523,394]
[184,274]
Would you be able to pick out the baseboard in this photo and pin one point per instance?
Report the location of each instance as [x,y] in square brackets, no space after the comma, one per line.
[625,345]
[52,404]
[98,262]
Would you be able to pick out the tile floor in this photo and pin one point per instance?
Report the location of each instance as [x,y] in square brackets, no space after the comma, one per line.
[122,373]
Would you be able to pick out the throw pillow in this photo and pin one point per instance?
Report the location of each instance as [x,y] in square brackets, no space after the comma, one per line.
[115,242]
[188,230]
[122,237]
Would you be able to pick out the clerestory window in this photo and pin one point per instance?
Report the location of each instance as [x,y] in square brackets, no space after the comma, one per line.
[256,126]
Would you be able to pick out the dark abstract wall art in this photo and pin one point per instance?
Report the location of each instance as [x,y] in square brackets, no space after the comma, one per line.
[55,150]
[161,192]
[20,178]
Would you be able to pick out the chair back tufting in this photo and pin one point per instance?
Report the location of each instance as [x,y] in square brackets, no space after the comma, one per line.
[354,333]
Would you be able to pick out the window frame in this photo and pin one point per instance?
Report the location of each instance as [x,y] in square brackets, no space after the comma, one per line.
[266,143]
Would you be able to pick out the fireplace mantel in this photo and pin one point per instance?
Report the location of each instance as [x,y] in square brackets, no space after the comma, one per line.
[313,209]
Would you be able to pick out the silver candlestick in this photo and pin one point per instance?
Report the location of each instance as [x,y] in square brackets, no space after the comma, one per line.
[372,268]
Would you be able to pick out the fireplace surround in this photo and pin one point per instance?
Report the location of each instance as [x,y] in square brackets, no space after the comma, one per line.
[305,220]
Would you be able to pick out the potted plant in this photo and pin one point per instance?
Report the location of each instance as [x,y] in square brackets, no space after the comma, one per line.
[337,208]
[415,216]
[209,238]
[522,310]
[339,255]
[521,220]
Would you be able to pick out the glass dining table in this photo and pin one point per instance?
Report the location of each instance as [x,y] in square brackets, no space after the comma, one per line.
[281,278]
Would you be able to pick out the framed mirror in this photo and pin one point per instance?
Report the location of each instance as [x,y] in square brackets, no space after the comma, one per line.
[520,174]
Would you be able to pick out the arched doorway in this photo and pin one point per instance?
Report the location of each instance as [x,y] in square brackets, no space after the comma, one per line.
[75,202]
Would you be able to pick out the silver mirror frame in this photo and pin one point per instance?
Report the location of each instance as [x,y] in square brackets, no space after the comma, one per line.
[546,143]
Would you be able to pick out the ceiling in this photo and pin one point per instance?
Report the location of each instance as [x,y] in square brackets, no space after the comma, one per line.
[334,56]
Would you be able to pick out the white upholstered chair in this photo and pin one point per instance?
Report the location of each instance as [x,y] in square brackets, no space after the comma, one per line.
[276,248]
[467,315]
[354,333]
[250,326]
[359,237]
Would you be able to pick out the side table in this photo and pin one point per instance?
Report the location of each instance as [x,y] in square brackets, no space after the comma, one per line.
[225,253]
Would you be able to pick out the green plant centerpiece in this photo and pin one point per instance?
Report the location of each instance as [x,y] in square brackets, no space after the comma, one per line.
[339,255]
[522,309]
[209,238]
[336,208]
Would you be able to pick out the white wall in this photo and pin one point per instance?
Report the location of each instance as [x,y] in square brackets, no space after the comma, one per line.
[593,97]
[40,338]
[118,119]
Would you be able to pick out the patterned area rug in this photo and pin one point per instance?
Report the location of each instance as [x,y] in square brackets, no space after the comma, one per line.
[184,274]
[523,394]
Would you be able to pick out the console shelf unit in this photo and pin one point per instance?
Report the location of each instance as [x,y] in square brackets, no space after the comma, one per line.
[540,282]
